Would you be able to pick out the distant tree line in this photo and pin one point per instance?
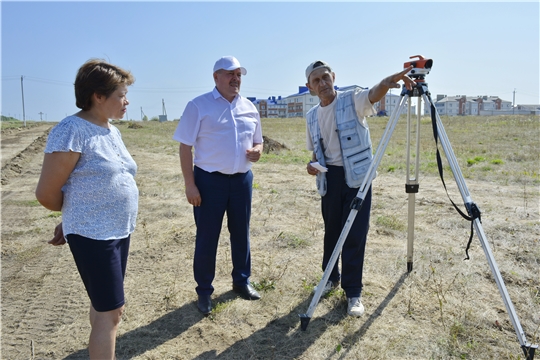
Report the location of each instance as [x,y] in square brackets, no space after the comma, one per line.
[9,118]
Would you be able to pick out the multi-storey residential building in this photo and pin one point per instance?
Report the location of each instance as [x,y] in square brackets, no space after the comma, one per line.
[298,104]
[295,105]
[388,104]
[271,107]
[527,109]
[474,105]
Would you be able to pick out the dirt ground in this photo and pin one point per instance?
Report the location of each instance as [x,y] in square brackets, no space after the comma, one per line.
[445,308]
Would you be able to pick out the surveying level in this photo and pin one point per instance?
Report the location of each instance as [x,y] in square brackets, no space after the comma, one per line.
[422,67]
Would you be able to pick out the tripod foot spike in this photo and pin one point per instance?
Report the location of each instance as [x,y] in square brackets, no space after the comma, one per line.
[409,267]
[529,351]
[304,321]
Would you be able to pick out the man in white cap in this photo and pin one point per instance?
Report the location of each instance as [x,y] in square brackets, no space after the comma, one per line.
[338,135]
[224,128]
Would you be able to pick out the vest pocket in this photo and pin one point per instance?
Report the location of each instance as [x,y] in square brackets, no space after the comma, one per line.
[348,134]
[360,161]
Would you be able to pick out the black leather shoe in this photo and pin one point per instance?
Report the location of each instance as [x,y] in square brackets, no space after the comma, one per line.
[204,304]
[247,292]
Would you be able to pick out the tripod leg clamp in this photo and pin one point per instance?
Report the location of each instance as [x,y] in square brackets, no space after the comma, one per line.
[356,204]
[411,188]
[474,211]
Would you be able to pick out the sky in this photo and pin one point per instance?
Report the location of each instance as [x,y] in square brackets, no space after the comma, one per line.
[478,48]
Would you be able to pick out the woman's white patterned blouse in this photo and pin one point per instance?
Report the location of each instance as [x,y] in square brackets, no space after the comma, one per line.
[100,196]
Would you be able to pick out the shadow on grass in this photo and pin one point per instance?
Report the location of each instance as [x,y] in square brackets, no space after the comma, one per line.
[148,337]
[283,338]
[280,338]
[353,338]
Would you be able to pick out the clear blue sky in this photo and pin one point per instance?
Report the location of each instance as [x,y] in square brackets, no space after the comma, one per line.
[482,48]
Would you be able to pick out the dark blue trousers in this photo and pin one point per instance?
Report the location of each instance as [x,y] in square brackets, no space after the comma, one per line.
[335,210]
[220,194]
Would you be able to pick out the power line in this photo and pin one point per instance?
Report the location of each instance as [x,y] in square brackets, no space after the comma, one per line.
[49,81]
[145,89]
[168,90]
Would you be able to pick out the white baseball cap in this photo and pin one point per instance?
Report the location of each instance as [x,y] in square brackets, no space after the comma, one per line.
[316,65]
[229,63]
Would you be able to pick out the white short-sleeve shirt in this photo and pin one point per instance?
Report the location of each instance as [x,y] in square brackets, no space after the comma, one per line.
[220,132]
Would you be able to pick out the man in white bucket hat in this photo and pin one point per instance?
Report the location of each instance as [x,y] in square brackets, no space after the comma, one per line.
[224,128]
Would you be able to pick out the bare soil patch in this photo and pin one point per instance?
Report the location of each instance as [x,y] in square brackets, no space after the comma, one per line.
[271,145]
[446,308]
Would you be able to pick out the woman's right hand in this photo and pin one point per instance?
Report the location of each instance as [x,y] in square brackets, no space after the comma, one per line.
[58,238]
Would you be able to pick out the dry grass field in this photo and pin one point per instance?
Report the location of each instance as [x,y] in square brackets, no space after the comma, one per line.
[446,308]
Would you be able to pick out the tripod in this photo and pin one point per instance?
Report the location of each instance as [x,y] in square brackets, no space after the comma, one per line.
[420,90]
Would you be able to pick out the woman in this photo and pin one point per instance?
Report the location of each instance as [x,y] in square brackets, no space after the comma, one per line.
[88,174]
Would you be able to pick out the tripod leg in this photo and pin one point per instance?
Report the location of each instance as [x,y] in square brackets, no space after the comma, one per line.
[357,204]
[411,184]
[528,349]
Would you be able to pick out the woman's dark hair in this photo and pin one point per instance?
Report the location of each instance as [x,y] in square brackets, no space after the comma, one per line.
[100,77]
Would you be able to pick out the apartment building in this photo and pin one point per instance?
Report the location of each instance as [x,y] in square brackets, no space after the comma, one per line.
[473,105]
[294,105]
[270,108]
[299,103]
[388,104]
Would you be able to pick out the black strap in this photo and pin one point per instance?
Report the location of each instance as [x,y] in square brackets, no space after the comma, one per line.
[473,210]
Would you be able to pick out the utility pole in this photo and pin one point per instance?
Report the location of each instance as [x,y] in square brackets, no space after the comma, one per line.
[40,115]
[514,102]
[22,92]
